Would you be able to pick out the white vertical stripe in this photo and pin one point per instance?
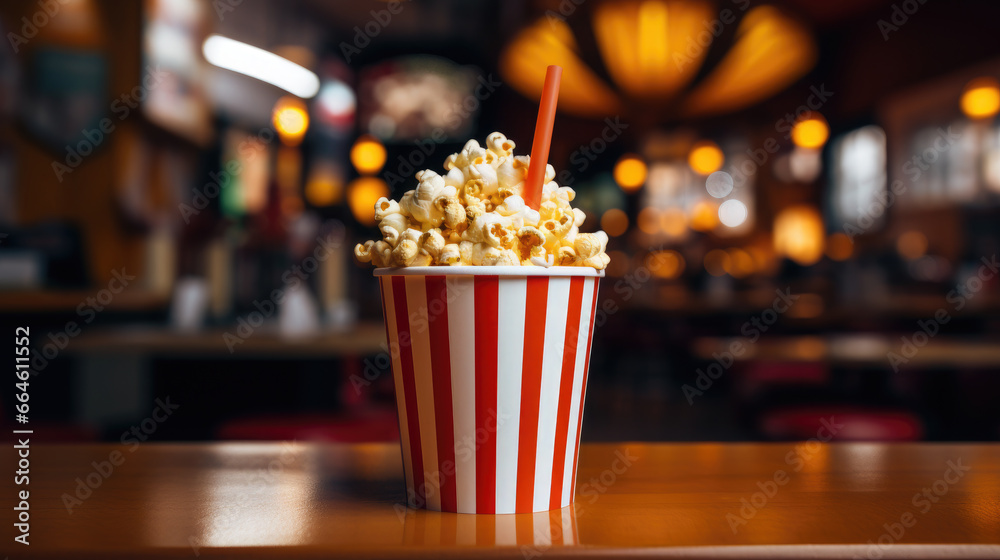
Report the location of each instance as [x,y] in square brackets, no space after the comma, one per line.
[575,403]
[397,380]
[542,528]
[510,357]
[548,407]
[566,520]
[416,304]
[462,344]
[505,527]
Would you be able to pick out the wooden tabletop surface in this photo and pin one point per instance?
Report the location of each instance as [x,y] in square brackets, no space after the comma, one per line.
[293,500]
[856,349]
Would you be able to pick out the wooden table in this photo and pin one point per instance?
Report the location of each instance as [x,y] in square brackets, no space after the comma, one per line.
[285,500]
[868,349]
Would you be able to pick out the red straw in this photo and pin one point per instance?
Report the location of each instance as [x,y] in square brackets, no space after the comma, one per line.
[543,137]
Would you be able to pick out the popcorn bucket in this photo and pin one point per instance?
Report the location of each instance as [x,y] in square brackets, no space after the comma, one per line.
[490,370]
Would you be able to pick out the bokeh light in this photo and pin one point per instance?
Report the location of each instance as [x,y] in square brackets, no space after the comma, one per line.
[704,216]
[673,222]
[667,264]
[732,213]
[811,131]
[719,184]
[368,155]
[290,119]
[614,222]
[705,157]
[362,194]
[324,187]
[912,245]
[740,263]
[717,262]
[630,173]
[981,98]
[649,220]
[798,234]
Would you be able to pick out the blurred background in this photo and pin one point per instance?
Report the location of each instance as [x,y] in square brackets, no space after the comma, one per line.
[802,199]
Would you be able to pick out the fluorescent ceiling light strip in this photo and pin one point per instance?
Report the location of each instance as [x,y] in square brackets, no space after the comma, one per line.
[263,65]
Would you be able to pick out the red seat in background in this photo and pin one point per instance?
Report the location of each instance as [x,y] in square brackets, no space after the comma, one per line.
[859,424]
[358,426]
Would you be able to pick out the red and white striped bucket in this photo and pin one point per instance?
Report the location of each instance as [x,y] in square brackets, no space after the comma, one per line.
[490,370]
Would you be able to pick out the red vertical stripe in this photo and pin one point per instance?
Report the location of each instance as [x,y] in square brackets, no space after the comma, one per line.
[583,388]
[566,388]
[531,388]
[487,290]
[437,314]
[524,528]
[557,526]
[409,385]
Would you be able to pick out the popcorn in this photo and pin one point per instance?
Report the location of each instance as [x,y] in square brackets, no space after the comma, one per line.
[474,214]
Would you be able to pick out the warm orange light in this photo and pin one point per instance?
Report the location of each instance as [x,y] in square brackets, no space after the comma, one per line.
[667,264]
[630,173]
[717,262]
[798,234]
[649,220]
[772,50]
[673,222]
[705,157]
[368,155]
[740,263]
[324,188]
[290,119]
[704,216]
[839,247]
[981,98]
[362,194]
[614,222]
[646,46]
[912,245]
[550,41]
[811,131]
